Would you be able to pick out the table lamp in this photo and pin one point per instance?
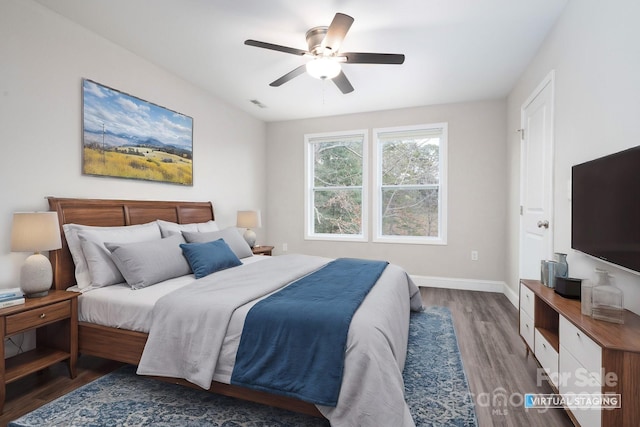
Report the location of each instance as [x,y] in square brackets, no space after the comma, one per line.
[249,220]
[35,232]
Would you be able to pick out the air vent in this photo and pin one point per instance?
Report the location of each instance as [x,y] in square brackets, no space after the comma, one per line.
[258,103]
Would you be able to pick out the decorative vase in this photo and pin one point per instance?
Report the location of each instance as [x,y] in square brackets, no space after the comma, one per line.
[562,268]
[606,299]
[585,297]
[549,273]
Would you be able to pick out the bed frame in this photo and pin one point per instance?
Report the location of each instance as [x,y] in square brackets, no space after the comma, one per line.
[120,344]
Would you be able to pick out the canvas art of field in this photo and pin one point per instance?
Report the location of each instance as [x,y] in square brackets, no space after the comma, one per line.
[126,137]
[152,166]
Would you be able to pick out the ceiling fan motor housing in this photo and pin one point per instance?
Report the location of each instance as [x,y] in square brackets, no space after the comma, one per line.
[314,37]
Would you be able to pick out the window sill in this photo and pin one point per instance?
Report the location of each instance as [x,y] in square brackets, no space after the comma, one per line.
[411,240]
[337,238]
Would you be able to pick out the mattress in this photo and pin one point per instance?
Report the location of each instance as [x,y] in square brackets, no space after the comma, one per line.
[121,307]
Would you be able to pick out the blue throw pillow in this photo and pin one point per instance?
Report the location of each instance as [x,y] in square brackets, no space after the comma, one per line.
[207,258]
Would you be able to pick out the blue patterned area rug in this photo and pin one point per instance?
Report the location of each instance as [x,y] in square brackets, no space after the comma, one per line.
[435,384]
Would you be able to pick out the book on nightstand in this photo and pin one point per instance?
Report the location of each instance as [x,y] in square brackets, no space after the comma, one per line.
[10,294]
[11,302]
[10,297]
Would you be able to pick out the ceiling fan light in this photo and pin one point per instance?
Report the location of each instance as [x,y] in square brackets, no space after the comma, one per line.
[323,68]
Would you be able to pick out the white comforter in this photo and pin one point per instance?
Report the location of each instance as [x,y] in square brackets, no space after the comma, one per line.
[189,327]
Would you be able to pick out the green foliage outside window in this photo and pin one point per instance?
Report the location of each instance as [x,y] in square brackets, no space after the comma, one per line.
[410,187]
[338,187]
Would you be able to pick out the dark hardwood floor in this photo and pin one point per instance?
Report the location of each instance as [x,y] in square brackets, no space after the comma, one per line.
[493,355]
[494,358]
[33,391]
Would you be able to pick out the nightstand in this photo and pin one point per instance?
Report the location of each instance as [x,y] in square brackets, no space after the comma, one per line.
[55,319]
[262,250]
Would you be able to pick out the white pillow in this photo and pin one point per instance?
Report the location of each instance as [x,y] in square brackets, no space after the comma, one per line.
[95,268]
[73,242]
[167,228]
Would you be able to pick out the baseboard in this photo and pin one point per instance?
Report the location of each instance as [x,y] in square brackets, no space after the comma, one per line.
[468,285]
[512,296]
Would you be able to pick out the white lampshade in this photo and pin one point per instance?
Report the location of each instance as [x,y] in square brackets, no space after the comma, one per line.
[323,68]
[35,232]
[249,220]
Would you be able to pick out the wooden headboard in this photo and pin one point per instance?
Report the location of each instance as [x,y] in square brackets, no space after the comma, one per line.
[110,213]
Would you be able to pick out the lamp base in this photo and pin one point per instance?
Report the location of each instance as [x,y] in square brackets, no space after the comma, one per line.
[36,276]
[250,237]
[37,294]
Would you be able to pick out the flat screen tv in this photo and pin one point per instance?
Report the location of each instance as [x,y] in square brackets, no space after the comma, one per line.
[605,208]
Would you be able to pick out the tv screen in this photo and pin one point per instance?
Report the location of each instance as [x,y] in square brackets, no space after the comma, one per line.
[605,208]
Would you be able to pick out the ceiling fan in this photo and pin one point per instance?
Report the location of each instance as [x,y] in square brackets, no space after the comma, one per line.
[324,47]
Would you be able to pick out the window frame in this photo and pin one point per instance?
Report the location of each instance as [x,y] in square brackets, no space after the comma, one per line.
[309,188]
[378,237]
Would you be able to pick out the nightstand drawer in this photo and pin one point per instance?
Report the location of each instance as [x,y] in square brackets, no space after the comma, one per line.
[37,317]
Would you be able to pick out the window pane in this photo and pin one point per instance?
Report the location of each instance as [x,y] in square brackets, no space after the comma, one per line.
[337,163]
[337,211]
[410,212]
[411,161]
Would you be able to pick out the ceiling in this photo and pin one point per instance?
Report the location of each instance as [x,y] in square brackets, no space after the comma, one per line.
[456,50]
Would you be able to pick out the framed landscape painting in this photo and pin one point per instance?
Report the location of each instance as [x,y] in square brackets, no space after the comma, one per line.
[127,137]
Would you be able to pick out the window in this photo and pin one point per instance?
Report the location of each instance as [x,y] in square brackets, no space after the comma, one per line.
[335,189]
[410,184]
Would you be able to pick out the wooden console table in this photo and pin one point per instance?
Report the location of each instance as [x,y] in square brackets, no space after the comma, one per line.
[566,342]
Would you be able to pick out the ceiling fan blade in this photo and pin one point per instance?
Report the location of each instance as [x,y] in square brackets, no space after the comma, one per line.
[290,75]
[343,83]
[372,58]
[337,31]
[277,47]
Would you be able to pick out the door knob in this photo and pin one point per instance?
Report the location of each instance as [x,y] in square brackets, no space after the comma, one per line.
[543,224]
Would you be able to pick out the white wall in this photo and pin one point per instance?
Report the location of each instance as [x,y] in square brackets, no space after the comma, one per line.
[595,52]
[477,185]
[43,58]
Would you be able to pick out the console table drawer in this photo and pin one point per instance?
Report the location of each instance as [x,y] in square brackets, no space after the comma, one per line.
[527,298]
[37,317]
[526,328]
[547,356]
[575,382]
[583,348]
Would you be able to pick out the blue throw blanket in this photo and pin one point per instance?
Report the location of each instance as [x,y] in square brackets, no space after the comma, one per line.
[293,342]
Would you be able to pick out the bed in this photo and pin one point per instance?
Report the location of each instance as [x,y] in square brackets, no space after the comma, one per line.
[126,342]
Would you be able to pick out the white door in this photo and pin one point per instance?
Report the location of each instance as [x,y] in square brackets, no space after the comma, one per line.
[536,180]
